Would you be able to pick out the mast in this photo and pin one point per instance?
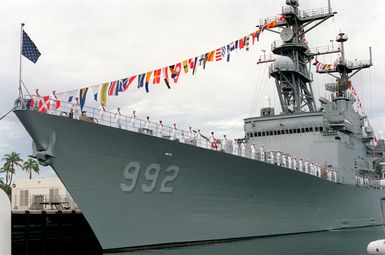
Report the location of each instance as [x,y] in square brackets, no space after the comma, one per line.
[292,76]
[20,59]
[344,70]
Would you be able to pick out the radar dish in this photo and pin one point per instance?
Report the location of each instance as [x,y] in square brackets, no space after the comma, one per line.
[286,34]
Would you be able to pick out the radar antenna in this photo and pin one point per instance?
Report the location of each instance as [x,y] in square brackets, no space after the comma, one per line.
[345,69]
[292,76]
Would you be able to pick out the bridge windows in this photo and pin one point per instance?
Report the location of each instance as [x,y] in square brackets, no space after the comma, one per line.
[285,131]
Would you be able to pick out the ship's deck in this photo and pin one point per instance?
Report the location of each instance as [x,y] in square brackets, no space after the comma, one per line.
[194,137]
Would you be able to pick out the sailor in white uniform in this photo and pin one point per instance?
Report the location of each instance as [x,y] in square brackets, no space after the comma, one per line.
[36,98]
[52,103]
[272,157]
[262,153]
[118,117]
[284,160]
[235,147]
[173,132]
[102,111]
[213,143]
[133,120]
[312,168]
[243,149]
[224,143]
[306,167]
[300,165]
[278,158]
[289,162]
[334,176]
[76,108]
[295,163]
[160,129]
[199,138]
[329,174]
[252,151]
[147,125]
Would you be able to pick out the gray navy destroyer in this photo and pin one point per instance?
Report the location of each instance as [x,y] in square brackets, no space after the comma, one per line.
[140,184]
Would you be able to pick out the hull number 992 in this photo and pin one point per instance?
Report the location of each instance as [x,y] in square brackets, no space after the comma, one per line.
[151,177]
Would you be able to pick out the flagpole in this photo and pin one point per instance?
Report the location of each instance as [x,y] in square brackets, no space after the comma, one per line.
[21,50]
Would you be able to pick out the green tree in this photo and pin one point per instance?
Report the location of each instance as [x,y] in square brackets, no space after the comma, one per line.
[30,166]
[12,160]
[3,185]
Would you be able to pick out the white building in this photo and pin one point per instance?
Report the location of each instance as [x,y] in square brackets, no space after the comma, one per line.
[41,194]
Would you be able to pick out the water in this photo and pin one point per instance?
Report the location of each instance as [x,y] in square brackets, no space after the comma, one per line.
[342,242]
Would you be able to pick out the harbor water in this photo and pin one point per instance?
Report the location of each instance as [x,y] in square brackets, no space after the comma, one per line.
[341,242]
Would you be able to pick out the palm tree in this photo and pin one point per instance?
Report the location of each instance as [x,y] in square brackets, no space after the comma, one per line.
[1,182]
[4,185]
[30,166]
[12,160]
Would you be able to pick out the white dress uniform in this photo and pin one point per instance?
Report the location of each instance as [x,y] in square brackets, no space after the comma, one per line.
[173,132]
[334,176]
[160,130]
[289,162]
[271,157]
[300,165]
[312,169]
[133,121]
[147,126]
[52,103]
[295,163]
[243,149]
[118,118]
[235,147]
[36,98]
[212,141]
[224,144]
[76,109]
[252,151]
[284,160]
[329,173]
[102,112]
[262,153]
[278,158]
[306,167]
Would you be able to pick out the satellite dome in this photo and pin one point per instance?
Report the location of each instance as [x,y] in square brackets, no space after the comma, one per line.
[283,63]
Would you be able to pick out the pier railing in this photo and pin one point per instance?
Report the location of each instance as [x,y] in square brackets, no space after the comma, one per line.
[44,202]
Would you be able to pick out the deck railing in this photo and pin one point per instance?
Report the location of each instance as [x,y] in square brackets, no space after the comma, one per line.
[195,138]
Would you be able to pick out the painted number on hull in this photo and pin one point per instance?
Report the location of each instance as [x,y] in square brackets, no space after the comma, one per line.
[151,176]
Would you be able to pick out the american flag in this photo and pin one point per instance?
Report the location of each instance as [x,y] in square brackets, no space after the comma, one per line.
[29,49]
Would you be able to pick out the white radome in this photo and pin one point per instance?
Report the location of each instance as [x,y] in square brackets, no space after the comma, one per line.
[283,63]
[376,247]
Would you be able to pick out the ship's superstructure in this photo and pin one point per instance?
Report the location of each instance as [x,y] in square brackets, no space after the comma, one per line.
[336,133]
[167,186]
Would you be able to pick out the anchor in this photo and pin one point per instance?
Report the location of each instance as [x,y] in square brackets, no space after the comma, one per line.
[44,155]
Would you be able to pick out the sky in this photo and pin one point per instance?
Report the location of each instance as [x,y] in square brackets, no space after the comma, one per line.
[85,43]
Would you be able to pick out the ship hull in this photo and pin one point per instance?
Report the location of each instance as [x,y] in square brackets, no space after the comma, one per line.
[139,190]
